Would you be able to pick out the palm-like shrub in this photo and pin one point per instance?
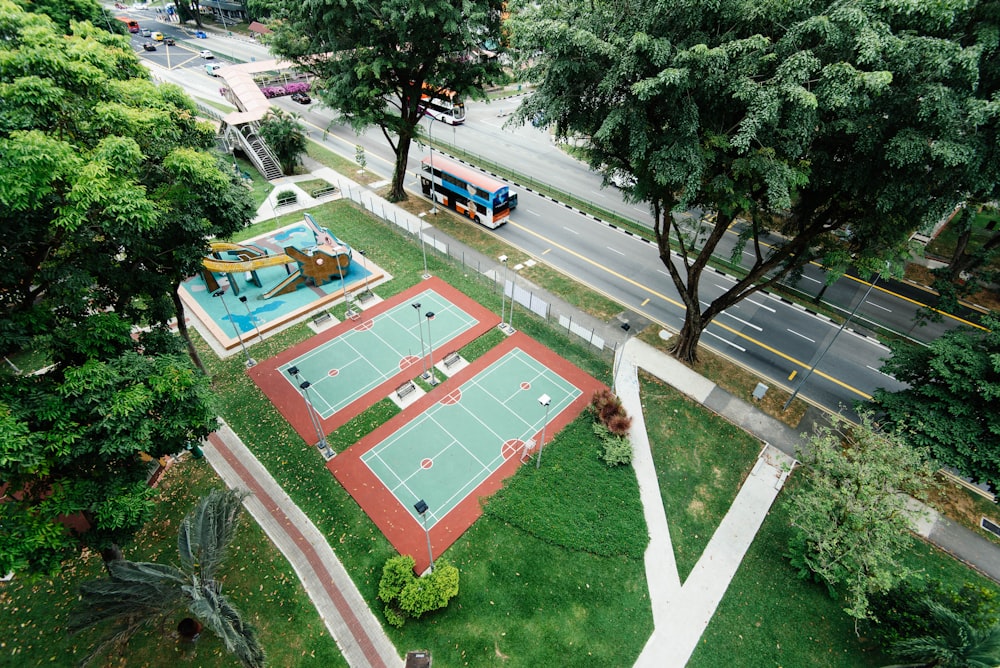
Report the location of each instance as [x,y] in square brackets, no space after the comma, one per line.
[141,593]
[955,644]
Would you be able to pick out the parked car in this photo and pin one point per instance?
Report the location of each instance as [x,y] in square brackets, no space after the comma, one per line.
[149,46]
[301,98]
[205,53]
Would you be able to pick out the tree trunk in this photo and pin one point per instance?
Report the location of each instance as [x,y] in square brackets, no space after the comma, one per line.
[183,330]
[189,629]
[397,193]
[111,553]
[686,347]
[958,259]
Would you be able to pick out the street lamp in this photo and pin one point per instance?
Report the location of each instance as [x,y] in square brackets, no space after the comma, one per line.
[243,298]
[544,400]
[421,508]
[304,385]
[829,345]
[364,265]
[513,291]
[343,288]
[430,350]
[420,328]
[503,288]
[430,145]
[251,362]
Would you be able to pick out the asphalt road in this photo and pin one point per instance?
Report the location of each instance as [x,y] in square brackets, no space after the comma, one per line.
[780,341]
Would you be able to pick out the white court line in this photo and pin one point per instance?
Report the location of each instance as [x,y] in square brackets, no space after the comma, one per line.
[801,335]
[888,310]
[739,348]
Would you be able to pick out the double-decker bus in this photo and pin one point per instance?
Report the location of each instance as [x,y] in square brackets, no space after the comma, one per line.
[133,25]
[443,105]
[467,191]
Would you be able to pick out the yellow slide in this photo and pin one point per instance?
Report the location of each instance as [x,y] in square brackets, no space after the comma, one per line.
[249,259]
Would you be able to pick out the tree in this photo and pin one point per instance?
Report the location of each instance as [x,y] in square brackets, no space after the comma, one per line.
[373,60]
[189,10]
[850,522]
[406,595]
[955,644]
[108,199]
[949,406]
[286,137]
[802,119]
[137,594]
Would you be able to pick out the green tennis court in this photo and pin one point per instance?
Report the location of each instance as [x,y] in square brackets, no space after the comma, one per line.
[446,452]
[347,367]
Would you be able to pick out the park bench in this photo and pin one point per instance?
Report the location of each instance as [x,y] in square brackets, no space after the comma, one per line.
[322,318]
[405,389]
[451,359]
[365,296]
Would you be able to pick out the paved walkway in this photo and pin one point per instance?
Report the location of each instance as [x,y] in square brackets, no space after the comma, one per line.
[680,612]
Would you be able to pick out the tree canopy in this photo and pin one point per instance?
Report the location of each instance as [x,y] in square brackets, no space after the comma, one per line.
[950,404]
[107,202]
[794,120]
[374,59]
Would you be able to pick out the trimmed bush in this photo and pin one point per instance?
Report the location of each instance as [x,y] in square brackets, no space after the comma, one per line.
[611,426]
[406,595]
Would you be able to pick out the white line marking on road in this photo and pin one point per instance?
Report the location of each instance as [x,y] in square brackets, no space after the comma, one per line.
[880,372]
[802,335]
[568,229]
[663,272]
[889,310]
[741,320]
[767,308]
[534,213]
[739,348]
[615,250]
[810,278]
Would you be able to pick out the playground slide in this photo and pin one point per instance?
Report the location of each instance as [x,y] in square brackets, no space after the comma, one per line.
[239,266]
[289,284]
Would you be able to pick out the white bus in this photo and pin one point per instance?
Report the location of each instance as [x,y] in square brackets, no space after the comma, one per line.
[443,105]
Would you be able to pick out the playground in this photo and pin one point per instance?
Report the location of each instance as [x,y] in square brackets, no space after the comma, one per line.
[250,288]
[459,442]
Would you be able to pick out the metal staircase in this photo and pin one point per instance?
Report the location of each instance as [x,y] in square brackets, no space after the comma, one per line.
[248,138]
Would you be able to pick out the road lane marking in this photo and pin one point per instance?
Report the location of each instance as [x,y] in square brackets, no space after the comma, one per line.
[615,250]
[570,229]
[745,337]
[810,278]
[644,301]
[758,304]
[888,310]
[802,335]
[533,213]
[739,348]
[741,320]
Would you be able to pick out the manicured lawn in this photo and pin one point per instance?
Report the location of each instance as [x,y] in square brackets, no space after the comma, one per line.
[701,462]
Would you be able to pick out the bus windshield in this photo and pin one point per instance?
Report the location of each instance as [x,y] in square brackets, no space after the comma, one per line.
[467,191]
[443,105]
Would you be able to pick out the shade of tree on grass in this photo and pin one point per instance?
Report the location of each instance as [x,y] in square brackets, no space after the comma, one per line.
[373,60]
[815,131]
[107,202]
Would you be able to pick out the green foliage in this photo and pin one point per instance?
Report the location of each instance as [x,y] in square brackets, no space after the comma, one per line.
[285,135]
[611,427]
[140,593]
[954,642]
[950,403]
[386,53]
[615,450]
[406,595]
[851,522]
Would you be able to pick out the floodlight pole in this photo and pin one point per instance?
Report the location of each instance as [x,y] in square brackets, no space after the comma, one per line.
[421,508]
[503,288]
[430,350]
[513,290]
[343,288]
[544,400]
[304,385]
[243,298]
[420,328]
[364,265]
[250,362]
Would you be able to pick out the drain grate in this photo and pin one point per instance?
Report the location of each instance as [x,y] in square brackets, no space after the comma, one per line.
[992,527]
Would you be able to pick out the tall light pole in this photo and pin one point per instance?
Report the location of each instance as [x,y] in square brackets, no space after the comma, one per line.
[243,298]
[544,400]
[503,288]
[343,288]
[420,328]
[304,385]
[829,345]
[421,509]
[250,362]
[513,291]
[364,265]
[627,328]
[430,350]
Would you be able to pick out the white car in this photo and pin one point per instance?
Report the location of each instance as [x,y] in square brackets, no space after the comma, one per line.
[205,53]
